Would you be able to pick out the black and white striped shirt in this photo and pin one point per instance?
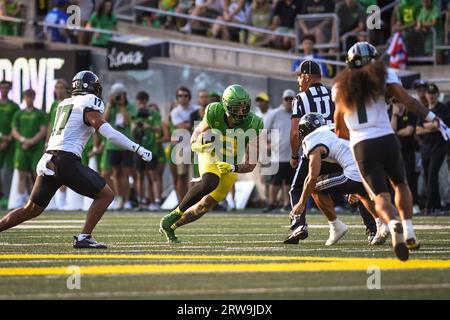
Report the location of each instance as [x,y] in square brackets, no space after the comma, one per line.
[316,99]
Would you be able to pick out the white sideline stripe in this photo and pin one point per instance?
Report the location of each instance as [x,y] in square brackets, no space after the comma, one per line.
[55,221]
[47,227]
[420,286]
[312,226]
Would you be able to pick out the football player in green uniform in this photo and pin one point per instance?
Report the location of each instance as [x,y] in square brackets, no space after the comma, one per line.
[233,123]
[7,110]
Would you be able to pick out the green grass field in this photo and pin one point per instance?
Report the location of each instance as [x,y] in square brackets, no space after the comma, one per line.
[223,256]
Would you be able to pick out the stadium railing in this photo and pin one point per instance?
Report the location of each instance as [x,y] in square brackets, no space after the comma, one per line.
[212,21]
[430,58]
[173,42]
[35,23]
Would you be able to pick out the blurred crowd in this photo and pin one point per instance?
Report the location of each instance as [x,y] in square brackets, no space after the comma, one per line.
[416,21]
[25,130]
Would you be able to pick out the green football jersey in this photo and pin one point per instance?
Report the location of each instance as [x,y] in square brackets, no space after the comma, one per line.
[28,124]
[234,140]
[7,111]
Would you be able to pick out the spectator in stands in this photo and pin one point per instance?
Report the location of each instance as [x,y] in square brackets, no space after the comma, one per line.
[214,96]
[430,17]
[86,7]
[367,3]
[7,110]
[352,21]
[204,8]
[405,15]
[104,19]
[12,9]
[308,42]
[203,101]
[433,148]
[233,11]
[184,7]
[262,108]
[447,37]
[281,152]
[181,119]
[57,16]
[157,20]
[421,91]
[404,20]
[260,15]
[118,113]
[29,127]
[283,21]
[321,27]
[403,123]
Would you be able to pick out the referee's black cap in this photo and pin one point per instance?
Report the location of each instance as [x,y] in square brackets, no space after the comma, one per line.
[309,67]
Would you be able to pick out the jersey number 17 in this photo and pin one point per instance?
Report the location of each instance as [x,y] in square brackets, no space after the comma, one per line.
[62,116]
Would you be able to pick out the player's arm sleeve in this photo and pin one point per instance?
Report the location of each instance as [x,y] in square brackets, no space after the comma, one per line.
[117,138]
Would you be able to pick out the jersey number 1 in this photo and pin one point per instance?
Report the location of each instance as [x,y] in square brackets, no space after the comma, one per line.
[62,117]
[362,113]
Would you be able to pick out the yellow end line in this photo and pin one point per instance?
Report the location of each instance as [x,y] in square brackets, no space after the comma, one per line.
[343,265]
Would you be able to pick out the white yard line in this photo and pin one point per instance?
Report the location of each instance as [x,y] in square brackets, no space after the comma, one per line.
[238,291]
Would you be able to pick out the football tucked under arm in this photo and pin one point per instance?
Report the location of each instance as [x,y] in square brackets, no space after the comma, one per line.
[202,144]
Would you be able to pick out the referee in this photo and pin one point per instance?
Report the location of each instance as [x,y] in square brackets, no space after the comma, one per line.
[313,97]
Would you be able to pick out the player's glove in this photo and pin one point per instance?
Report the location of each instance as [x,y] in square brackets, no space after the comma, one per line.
[225,167]
[200,147]
[145,154]
[41,168]
[445,131]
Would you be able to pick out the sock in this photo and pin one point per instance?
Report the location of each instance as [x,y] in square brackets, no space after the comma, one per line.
[408,229]
[82,236]
[332,223]
[173,227]
[178,211]
[379,222]
[391,225]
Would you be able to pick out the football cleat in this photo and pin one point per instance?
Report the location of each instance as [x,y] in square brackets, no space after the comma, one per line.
[169,234]
[337,231]
[381,236]
[165,226]
[87,243]
[299,233]
[413,244]
[370,236]
[398,243]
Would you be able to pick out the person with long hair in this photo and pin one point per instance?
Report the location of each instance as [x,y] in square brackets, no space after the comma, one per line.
[103,18]
[359,95]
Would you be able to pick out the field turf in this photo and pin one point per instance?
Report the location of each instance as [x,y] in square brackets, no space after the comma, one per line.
[222,256]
